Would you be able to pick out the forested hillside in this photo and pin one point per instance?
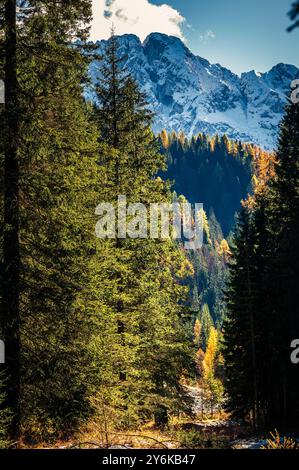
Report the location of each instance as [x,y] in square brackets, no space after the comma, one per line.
[214,171]
[220,173]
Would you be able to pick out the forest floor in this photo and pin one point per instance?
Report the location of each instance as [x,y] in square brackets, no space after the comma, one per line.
[205,430]
[181,434]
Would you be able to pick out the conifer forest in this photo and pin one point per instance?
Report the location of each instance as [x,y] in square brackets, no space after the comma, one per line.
[141,339]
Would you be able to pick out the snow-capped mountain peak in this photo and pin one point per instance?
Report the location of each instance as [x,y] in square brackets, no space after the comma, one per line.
[190,94]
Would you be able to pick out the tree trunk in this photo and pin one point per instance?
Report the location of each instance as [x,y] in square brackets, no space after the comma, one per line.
[11,254]
[161,417]
[255,407]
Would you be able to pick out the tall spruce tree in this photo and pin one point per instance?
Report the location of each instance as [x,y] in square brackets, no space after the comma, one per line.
[10,272]
[142,339]
[58,174]
[282,219]
[243,334]
[262,313]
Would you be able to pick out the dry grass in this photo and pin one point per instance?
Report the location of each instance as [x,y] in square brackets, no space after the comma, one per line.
[146,437]
[181,433]
[277,442]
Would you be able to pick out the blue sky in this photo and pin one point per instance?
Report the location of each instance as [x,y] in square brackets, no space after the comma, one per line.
[239,34]
[248,34]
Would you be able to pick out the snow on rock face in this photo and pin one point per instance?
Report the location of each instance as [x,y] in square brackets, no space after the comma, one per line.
[189,94]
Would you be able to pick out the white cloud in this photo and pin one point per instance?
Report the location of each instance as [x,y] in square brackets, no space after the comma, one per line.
[138,17]
[207,35]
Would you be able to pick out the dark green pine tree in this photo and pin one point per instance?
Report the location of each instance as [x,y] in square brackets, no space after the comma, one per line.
[206,325]
[57,185]
[10,190]
[141,342]
[110,89]
[262,307]
[242,333]
[283,272]
[195,302]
